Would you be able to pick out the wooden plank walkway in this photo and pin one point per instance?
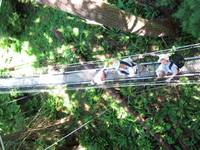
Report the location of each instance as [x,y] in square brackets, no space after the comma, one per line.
[73,78]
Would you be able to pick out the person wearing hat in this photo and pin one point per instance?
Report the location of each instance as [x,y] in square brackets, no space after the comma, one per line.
[124,67]
[166,68]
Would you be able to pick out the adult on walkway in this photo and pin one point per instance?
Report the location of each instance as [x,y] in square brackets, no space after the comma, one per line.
[123,68]
[166,68]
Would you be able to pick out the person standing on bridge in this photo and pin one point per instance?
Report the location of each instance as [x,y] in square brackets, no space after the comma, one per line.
[166,67]
[124,68]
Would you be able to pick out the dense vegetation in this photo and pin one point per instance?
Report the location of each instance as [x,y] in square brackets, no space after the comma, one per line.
[40,36]
[189,17]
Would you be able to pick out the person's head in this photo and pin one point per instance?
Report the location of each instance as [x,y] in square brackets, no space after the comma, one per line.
[163,59]
[118,65]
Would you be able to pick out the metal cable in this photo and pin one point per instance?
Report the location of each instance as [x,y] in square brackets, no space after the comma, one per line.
[178,49]
[100,62]
[195,82]
[75,130]
[19,99]
[97,69]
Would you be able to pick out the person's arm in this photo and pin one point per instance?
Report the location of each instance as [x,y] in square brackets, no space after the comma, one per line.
[132,71]
[174,73]
[158,70]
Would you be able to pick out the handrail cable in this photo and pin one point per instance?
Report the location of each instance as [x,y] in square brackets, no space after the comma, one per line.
[177,49]
[112,80]
[180,48]
[191,82]
[76,71]
[19,99]
[174,83]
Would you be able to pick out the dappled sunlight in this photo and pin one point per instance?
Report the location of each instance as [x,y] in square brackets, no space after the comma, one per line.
[25,47]
[196,97]
[67,104]
[41,108]
[86,107]
[48,45]
[50,40]
[37,20]
[62,49]
[98,49]
[134,25]
[121,112]
[12,59]
[75,31]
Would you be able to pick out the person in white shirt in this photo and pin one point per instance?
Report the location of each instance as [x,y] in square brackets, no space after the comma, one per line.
[166,67]
[125,68]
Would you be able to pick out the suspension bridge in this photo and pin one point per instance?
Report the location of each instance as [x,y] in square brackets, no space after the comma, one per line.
[78,76]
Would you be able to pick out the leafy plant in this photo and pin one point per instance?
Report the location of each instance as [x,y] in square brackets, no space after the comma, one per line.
[188,15]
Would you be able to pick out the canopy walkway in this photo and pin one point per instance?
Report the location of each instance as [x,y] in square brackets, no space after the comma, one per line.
[81,79]
[79,75]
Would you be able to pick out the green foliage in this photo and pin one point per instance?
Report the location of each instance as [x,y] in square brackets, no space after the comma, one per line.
[14,23]
[13,15]
[133,8]
[10,21]
[188,15]
[165,3]
[172,116]
[11,118]
[5,15]
[165,112]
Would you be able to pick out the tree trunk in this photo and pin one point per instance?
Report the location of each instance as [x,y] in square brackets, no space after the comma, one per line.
[105,14]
